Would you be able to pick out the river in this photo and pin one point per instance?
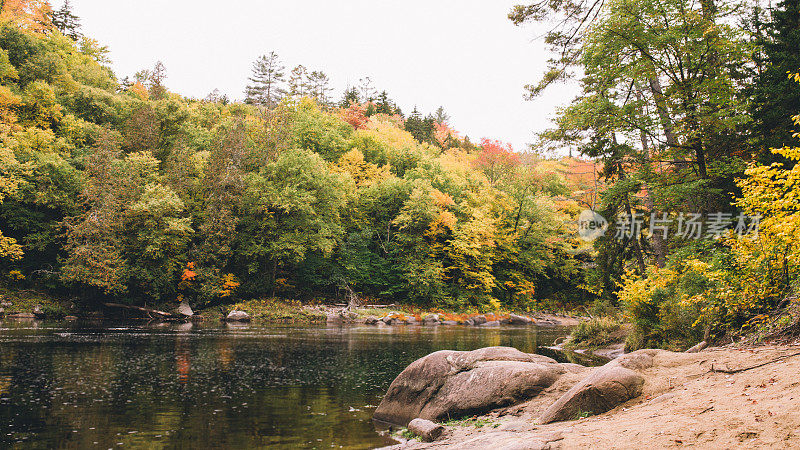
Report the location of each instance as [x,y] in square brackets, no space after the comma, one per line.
[132,385]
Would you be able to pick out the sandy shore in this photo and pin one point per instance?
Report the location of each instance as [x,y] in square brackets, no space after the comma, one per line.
[684,404]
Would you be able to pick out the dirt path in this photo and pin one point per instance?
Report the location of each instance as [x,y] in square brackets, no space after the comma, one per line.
[684,404]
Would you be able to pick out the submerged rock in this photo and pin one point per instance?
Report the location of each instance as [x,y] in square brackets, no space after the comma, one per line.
[603,390]
[451,384]
[237,316]
[493,323]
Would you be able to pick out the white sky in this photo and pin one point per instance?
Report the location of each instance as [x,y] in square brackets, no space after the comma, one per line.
[462,54]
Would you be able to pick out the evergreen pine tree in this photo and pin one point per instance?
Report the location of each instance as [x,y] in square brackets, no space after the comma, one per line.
[776,98]
[267,82]
[319,87]
[67,22]
[298,81]
[350,96]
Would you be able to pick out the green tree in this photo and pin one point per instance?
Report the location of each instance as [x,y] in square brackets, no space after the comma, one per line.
[267,82]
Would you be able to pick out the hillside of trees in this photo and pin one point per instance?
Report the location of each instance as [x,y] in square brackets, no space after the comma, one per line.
[118,189]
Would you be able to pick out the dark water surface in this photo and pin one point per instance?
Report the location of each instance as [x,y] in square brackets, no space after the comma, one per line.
[212,386]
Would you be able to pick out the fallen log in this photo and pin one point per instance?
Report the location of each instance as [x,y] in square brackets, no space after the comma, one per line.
[139,308]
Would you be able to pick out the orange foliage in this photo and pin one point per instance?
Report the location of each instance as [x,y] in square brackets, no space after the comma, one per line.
[355,115]
[188,273]
[140,91]
[441,133]
[33,15]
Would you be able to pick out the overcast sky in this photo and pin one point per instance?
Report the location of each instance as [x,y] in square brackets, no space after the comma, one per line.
[462,54]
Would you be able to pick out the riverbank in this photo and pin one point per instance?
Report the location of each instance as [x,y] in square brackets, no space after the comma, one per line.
[687,400]
[31,304]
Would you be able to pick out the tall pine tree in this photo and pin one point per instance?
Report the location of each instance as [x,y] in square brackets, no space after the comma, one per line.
[776,98]
[267,82]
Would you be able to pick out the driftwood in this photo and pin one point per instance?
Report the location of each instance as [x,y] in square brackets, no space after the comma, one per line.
[779,359]
[368,306]
[139,308]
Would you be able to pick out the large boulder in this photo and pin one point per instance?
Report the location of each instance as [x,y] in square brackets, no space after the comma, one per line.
[450,384]
[608,386]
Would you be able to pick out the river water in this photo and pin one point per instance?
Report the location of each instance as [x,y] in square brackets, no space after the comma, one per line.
[102,385]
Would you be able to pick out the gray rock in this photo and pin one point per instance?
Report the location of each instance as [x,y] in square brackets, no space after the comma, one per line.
[431,319]
[388,320]
[427,431]
[371,320]
[237,316]
[603,390]
[2,311]
[449,322]
[451,384]
[493,323]
[6,304]
[519,320]
[184,309]
[469,322]
[478,320]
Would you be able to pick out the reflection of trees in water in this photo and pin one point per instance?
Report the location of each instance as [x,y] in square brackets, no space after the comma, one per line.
[239,388]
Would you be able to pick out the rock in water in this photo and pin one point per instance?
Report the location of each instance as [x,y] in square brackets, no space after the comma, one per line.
[431,319]
[184,309]
[428,431]
[451,384]
[238,316]
[479,320]
[514,319]
[609,386]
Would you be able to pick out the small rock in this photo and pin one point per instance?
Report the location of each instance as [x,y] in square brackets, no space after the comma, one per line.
[469,322]
[371,320]
[478,320]
[449,322]
[6,304]
[431,319]
[518,320]
[428,431]
[493,323]
[70,318]
[237,316]
[2,311]
[388,320]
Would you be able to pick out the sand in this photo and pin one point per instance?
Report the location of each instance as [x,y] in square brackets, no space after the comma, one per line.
[684,404]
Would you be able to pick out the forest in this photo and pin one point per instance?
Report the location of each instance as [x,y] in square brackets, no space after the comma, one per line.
[117,189]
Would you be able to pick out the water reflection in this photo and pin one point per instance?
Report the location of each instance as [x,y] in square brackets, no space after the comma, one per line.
[80,385]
